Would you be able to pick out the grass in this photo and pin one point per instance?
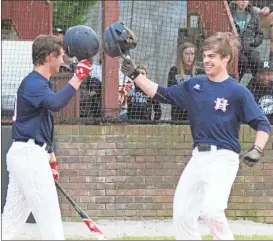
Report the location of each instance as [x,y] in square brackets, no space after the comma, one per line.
[207,237]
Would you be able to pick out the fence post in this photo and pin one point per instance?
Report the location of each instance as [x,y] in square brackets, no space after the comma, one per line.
[110,66]
[50,16]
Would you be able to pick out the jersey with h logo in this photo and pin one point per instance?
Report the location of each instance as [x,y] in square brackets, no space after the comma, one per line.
[215,109]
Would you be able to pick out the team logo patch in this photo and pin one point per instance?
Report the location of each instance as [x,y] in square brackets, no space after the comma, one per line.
[266,104]
[221,104]
[197,87]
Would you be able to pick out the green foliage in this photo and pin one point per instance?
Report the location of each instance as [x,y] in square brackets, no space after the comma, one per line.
[71,12]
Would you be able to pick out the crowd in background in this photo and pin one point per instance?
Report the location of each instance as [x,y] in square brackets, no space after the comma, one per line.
[250,18]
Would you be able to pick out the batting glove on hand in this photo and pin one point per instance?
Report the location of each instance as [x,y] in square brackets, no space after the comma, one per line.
[128,68]
[252,156]
[55,170]
[83,69]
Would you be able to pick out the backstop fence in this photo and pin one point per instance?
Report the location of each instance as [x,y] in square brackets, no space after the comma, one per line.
[169,50]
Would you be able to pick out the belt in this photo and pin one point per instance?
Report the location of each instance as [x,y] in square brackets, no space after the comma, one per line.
[41,144]
[205,148]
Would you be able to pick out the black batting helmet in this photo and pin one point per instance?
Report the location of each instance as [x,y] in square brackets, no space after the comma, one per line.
[118,40]
[81,41]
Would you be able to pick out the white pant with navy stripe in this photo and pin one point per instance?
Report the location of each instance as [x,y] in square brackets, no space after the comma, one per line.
[203,191]
[31,189]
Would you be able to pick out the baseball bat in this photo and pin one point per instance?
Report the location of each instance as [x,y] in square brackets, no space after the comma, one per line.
[88,221]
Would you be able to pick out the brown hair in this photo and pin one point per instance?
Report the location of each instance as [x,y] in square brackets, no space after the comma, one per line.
[179,60]
[142,66]
[45,45]
[226,43]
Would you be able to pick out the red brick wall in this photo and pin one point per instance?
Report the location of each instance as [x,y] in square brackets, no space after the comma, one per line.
[131,171]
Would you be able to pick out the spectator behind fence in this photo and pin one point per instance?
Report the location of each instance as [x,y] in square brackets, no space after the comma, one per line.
[58,32]
[140,105]
[185,68]
[248,26]
[66,66]
[93,93]
[262,88]
[90,104]
[125,87]
[265,10]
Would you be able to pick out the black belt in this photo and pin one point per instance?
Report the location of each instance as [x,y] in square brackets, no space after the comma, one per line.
[204,147]
[41,144]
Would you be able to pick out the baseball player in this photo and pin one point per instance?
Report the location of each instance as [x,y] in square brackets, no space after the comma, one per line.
[30,159]
[217,105]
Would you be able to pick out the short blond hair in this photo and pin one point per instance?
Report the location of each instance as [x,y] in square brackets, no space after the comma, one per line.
[226,44]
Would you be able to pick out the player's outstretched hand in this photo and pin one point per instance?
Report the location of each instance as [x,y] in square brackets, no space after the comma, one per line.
[83,69]
[128,68]
[251,157]
[55,170]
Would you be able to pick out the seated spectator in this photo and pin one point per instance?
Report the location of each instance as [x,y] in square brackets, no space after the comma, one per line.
[97,69]
[91,93]
[248,26]
[66,66]
[90,104]
[126,86]
[265,10]
[185,69]
[262,88]
[140,105]
[58,32]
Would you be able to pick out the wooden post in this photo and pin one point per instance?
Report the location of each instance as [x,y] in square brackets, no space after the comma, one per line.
[50,17]
[110,66]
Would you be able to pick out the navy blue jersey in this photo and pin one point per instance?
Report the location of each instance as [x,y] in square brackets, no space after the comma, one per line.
[35,101]
[215,110]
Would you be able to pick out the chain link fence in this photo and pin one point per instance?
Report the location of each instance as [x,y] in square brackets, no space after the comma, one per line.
[170,36]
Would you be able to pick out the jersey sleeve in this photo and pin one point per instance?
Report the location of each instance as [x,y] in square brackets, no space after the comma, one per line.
[41,95]
[174,95]
[37,93]
[249,107]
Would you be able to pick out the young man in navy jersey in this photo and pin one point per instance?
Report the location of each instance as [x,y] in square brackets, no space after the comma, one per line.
[30,159]
[217,105]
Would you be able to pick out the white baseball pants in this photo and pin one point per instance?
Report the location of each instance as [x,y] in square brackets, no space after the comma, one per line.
[203,191]
[31,189]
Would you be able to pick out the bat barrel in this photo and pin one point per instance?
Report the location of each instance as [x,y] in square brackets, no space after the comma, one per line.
[89,223]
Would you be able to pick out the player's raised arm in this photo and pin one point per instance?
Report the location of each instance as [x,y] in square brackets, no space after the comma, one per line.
[175,95]
[56,101]
[128,68]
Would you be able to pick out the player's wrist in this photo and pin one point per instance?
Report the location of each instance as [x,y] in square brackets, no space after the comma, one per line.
[54,165]
[258,148]
[133,75]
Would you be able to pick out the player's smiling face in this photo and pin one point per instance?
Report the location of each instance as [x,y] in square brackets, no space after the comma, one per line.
[56,61]
[213,62]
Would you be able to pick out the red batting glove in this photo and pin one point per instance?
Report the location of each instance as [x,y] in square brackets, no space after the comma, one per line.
[83,69]
[55,170]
